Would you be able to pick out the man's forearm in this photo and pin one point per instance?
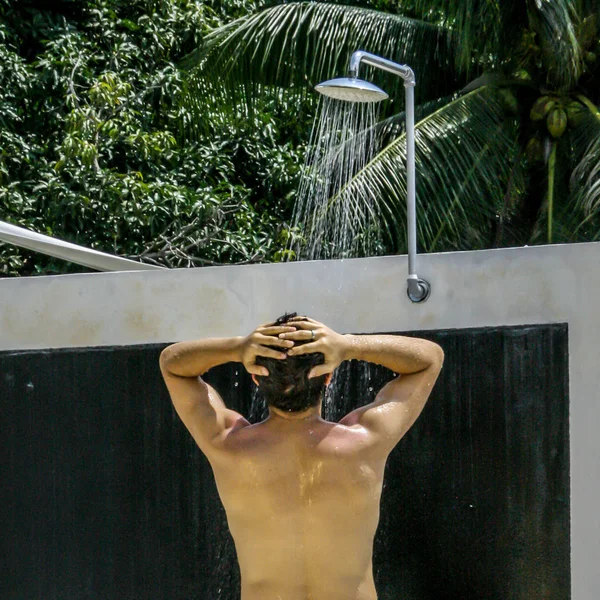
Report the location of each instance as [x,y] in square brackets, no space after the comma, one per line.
[401,354]
[190,359]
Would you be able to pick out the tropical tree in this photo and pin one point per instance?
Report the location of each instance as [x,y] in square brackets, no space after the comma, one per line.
[91,147]
[508,132]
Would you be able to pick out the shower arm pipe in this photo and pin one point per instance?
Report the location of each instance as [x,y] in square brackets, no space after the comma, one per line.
[418,289]
[360,56]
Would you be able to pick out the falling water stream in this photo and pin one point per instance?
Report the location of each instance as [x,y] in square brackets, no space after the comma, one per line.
[330,220]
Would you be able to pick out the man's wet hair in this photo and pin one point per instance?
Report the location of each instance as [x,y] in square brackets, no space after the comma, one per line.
[287,387]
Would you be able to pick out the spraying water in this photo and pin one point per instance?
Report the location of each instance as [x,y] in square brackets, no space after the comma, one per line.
[330,221]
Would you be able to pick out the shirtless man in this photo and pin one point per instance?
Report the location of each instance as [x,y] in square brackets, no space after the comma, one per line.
[301,494]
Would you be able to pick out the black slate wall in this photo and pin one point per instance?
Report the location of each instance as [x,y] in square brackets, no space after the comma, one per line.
[104,494]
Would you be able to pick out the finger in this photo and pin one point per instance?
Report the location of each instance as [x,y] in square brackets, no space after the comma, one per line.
[306,325]
[304,349]
[270,353]
[269,324]
[307,319]
[320,370]
[269,340]
[257,370]
[275,330]
[304,334]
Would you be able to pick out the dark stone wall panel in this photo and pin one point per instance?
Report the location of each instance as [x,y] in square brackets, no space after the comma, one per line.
[105,495]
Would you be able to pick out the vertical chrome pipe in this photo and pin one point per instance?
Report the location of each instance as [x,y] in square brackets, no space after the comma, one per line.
[418,290]
[411,193]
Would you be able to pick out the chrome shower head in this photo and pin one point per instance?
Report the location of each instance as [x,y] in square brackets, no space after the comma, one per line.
[351,89]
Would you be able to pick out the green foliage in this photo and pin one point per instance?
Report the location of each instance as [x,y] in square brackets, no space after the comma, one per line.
[480,168]
[91,149]
[508,93]
[107,142]
[299,44]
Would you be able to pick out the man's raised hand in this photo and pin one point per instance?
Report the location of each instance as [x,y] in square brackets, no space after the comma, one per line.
[256,344]
[320,338]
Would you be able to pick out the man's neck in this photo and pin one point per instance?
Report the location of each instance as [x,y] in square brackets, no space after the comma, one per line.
[310,414]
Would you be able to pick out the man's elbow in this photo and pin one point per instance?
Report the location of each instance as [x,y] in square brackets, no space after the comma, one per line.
[166,356]
[436,354]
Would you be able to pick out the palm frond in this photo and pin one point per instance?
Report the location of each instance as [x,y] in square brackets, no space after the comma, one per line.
[555,22]
[297,45]
[584,205]
[477,24]
[389,129]
[464,154]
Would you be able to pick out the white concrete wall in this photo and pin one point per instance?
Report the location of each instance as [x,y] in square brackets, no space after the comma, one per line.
[469,289]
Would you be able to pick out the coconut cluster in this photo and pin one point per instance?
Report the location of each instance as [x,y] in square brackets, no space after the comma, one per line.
[558,113]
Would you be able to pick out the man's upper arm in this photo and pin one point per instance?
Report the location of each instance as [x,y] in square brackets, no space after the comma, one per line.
[396,407]
[201,409]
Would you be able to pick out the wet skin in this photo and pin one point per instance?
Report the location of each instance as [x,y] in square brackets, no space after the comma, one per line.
[301,493]
[302,502]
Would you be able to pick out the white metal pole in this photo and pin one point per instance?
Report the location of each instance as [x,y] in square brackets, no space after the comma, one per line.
[80,255]
[411,201]
[418,289]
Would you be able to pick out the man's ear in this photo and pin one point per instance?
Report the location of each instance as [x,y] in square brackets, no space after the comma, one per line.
[254,379]
[328,378]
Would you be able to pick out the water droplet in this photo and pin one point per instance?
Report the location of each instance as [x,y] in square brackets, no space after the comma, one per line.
[370,389]
[29,386]
[236,384]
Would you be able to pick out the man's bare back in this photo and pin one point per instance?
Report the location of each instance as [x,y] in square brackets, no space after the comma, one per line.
[302,494]
[302,503]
